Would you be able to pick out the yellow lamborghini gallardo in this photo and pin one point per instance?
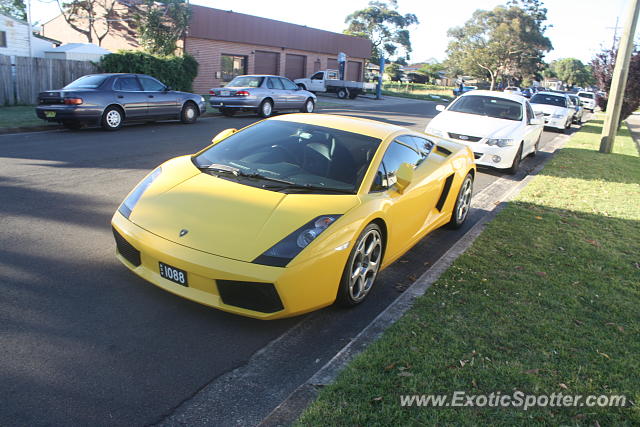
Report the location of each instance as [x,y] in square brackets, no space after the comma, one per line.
[292,213]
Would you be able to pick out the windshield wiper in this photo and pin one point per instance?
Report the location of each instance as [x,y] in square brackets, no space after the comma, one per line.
[215,167]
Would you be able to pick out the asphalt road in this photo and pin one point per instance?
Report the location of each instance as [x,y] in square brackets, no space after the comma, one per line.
[85,341]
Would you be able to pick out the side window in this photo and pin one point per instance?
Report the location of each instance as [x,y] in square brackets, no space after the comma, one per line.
[422,146]
[127,84]
[397,154]
[288,84]
[317,76]
[274,83]
[151,85]
[530,114]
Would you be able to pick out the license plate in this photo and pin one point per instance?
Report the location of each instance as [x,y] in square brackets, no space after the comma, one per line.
[50,114]
[224,93]
[174,274]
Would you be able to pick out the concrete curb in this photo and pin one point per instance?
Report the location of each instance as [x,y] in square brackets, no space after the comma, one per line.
[290,409]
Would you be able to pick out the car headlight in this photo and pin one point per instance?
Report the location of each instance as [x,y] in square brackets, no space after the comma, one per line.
[280,254]
[558,116]
[202,99]
[500,142]
[129,203]
[436,132]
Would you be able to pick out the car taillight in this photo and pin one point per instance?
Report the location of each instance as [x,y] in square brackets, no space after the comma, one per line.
[242,93]
[212,92]
[73,101]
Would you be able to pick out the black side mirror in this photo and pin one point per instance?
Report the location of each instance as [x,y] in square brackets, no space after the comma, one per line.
[167,88]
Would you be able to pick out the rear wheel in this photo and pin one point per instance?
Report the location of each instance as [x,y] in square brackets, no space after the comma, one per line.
[189,113]
[308,106]
[362,267]
[112,118]
[463,203]
[342,93]
[266,108]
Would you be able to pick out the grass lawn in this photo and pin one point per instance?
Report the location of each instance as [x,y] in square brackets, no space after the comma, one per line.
[547,300]
[21,116]
[426,96]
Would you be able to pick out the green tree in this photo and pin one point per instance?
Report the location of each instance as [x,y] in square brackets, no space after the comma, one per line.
[572,71]
[381,23]
[161,25]
[15,8]
[503,42]
[394,72]
[432,71]
[92,18]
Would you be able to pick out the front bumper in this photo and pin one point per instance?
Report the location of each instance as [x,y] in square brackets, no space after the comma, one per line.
[234,102]
[59,113]
[493,156]
[304,287]
[555,123]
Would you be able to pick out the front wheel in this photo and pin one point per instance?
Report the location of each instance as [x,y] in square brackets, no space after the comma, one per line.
[112,118]
[516,162]
[308,106]
[189,113]
[463,203]
[362,267]
[266,109]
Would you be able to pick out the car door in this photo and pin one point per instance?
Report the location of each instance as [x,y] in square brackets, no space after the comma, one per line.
[276,92]
[161,103]
[129,94]
[531,131]
[295,96]
[317,82]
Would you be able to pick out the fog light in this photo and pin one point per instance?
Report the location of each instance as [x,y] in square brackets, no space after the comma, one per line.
[496,159]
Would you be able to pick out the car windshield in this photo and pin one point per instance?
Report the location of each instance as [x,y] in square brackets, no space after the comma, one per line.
[488,106]
[87,82]
[558,101]
[289,156]
[574,100]
[245,81]
[585,95]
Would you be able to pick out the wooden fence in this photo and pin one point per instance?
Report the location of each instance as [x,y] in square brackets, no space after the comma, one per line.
[31,76]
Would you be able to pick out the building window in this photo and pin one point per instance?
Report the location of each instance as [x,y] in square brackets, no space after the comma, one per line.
[233,65]
[3,39]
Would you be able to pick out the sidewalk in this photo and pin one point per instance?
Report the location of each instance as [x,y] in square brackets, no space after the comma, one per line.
[633,122]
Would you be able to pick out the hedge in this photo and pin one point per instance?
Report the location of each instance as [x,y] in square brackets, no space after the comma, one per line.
[176,72]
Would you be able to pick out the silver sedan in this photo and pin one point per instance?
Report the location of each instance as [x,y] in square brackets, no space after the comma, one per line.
[264,94]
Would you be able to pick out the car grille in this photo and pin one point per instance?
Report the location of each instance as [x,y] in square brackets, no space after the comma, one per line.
[256,296]
[127,250]
[464,137]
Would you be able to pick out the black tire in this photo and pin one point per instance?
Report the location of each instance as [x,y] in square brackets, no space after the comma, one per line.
[567,128]
[353,95]
[536,147]
[189,113]
[263,110]
[516,162]
[342,93]
[72,125]
[357,259]
[227,112]
[308,106]
[463,203]
[112,118]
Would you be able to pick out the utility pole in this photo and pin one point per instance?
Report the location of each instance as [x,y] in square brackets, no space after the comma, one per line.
[619,81]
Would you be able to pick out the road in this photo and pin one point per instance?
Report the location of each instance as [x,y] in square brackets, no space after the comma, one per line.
[85,341]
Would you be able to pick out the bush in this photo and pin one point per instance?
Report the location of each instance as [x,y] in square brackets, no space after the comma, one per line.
[176,72]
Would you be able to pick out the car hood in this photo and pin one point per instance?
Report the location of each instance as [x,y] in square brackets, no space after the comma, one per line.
[549,109]
[474,125]
[229,219]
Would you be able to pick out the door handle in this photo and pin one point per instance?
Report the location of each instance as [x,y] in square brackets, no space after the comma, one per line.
[120,96]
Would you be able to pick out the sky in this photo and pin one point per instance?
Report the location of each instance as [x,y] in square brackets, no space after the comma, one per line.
[578,28]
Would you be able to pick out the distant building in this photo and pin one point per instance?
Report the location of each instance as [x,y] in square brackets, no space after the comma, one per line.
[77,52]
[15,35]
[227,44]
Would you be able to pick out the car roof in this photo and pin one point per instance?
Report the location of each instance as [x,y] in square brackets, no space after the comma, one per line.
[496,94]
[359,125]
[552,93]
[259,75]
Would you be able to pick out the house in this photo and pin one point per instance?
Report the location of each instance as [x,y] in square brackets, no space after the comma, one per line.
[16,39]
[77,52]
[227,44]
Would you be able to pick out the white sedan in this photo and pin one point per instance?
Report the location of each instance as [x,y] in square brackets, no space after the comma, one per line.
[500,128]
[556,107]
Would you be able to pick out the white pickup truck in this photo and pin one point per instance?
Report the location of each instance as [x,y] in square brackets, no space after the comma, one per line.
[327,81]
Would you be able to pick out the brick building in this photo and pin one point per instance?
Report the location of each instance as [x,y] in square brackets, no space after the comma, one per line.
[227,44]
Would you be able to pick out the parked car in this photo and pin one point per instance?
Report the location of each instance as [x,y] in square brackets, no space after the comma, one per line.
[513,89]
[526,92]
[292,213]
[500,128]
[556,108]
[588,100]
[328,81]
[110,100]
[577,105]
[263,94]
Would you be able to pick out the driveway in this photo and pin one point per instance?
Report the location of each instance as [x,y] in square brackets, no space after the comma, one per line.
[84,341]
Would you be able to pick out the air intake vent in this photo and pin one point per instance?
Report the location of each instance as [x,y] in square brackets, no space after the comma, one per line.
[255,296]
[125,249]
[445,192]
[443,150]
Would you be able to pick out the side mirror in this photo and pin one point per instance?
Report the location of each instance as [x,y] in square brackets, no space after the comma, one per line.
[223,135]
[440,107]
[404,176]
[167,88]
[537,121]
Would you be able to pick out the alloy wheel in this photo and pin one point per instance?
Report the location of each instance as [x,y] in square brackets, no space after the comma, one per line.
[365,265]
[464,201]
[114,118]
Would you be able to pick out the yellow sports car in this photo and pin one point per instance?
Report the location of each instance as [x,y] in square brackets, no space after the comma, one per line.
[292,213]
